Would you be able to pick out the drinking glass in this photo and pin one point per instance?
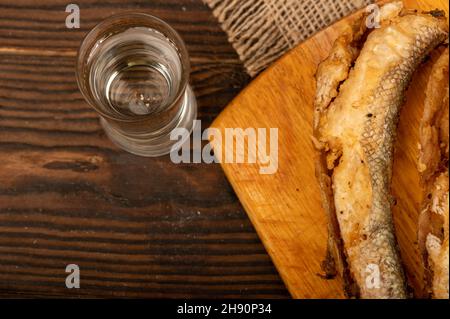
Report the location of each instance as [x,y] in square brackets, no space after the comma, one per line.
[133,69]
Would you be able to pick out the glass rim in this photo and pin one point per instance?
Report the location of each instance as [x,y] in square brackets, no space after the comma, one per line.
[109,24]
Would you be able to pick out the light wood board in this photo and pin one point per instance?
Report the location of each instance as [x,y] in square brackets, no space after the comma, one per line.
[285,208]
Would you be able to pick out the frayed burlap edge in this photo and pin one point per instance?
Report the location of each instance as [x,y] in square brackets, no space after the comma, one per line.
[261,31]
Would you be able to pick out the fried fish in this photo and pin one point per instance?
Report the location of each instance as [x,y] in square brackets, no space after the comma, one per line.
[433,167]
[360,90]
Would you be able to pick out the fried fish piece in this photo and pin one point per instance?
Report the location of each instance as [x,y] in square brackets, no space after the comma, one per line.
[433,167]
[360,90]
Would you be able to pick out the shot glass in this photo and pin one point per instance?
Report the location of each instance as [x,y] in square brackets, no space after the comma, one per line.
[133,69]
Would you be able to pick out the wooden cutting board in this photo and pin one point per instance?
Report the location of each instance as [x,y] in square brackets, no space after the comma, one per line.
[285,207]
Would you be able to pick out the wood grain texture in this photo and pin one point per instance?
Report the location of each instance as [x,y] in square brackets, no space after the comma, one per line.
[137,227]
[286,207]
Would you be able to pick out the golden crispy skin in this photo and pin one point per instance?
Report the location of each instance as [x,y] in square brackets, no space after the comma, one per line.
[433,166]
[356,115]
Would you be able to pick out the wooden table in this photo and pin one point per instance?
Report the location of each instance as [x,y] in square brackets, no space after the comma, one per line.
[136,227]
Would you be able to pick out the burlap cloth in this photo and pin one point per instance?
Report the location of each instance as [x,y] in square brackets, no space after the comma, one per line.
[263,30]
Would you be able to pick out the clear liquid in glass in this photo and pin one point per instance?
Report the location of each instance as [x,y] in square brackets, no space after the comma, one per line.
[136,72]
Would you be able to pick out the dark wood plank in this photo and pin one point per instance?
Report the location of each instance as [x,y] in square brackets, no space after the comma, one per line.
[137,227]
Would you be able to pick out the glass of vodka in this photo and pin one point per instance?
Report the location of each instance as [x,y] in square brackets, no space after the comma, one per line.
[133,69]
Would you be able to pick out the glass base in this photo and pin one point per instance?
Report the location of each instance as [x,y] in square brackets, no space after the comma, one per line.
[162,144]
